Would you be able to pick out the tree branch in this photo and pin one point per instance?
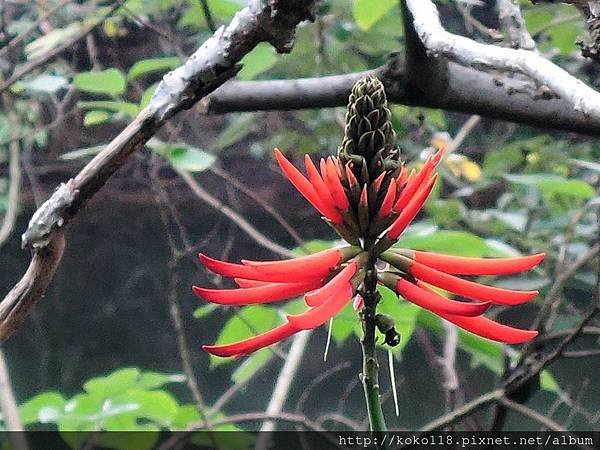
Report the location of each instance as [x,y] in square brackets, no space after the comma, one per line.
[466,90]
[211,65]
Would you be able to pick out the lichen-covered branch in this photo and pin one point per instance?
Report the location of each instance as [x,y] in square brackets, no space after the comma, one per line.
[514,25]
[209,67]
[439,42]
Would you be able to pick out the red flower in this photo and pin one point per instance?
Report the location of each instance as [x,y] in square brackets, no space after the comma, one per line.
[331,278]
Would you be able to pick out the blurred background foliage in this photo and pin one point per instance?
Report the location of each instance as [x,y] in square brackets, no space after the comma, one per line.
[101,349]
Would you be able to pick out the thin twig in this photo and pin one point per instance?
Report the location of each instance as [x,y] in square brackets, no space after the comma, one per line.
[234,216]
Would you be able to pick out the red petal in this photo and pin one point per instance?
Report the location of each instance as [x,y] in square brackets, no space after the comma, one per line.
[388,200]
[317,316]
[252,344]
[378,181]
[276,271]
[302,184]
[470,289]
[261,294]
[312,266]
[336,283]
[477,266]
[415,182]
[352,181]
[322,190]
[411,210]
[437,303]
[484,327]
[335,186]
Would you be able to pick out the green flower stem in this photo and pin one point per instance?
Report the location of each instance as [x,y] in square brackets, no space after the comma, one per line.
[370,373]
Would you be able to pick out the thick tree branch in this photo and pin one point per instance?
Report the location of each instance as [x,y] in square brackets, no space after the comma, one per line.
[467,90]
[213,63]
[439,42]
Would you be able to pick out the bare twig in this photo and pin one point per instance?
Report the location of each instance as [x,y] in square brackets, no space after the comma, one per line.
[8,406]
[235,217]
[509,13]
[284,382]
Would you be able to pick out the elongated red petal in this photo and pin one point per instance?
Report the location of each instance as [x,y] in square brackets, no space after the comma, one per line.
[335,186]
[282,274]
[318,315]
[252,344]
[411,210]
[311,266]
[322,190]
[388,200]
[468,288]
[303,186]
[261,294]
[459,265]
[438,303]
[320,295]
[228,269]
[414,183]
[487,328]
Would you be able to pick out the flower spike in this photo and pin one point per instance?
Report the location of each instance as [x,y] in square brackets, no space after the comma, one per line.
[369,197]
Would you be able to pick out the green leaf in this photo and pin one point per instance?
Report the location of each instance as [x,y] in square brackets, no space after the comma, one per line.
[239,127]
[155,380]
[259,60]
[248,322]
[51,40]
[548,382]
[152,65]
[251,365]
[190,158]
[129,109]
[95,117]
[45,83]
[460,243]
[147,96]
[550,184]
[158,406]
[205,310]
[368,12]
[109,81]
[502,160]
[186,416]
[46,407]
[114,383]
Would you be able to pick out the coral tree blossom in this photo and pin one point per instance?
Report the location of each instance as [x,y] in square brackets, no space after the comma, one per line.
[369,197]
